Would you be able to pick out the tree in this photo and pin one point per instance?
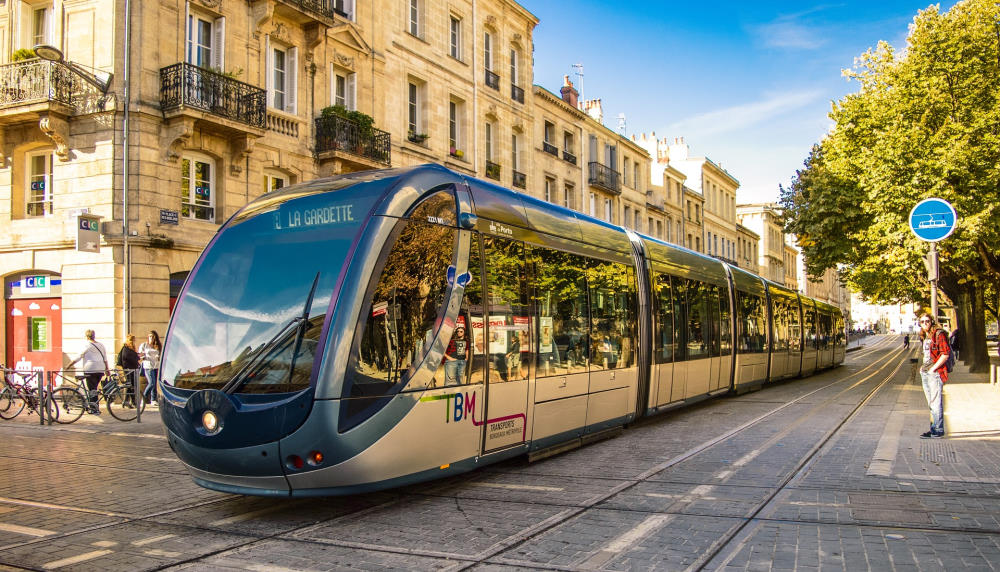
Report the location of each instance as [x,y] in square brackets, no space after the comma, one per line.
[924,123]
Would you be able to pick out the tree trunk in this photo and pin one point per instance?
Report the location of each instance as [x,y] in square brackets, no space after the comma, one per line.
[972,321]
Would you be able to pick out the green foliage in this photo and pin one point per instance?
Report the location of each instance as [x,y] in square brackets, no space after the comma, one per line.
[23,54]
[925,123]
[364,121]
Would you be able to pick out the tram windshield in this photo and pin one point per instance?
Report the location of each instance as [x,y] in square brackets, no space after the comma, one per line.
[250,318]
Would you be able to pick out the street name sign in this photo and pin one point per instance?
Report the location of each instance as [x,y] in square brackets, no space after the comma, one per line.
[933,220]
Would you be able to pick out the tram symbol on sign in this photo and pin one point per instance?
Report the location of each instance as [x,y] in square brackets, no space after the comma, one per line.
[933,223]
[933,220]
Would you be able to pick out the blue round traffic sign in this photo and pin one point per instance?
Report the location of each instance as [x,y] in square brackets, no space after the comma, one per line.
[933,219]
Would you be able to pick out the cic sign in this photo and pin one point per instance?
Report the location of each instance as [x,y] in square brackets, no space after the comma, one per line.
[88,233]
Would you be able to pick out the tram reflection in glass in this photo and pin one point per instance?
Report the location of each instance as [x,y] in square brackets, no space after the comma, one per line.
[312,350]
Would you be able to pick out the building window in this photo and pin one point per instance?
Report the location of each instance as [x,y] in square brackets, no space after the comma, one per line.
[415,109]
[488,132]
[568,197]
[39,184]
[282,75]
[625,173]
[274,181]
[515,155]
[638,219]
[345,89]
[608,214]
[659,229]
[649,224]
[456,120]
[415,9]
[41,24]
[593,205]
[456,38]
[628,217]
[487,51]
[636,182]
[550,184]
[709,243]
[205,37]
[345,8]
[514,65]
[197,186]
[568,142]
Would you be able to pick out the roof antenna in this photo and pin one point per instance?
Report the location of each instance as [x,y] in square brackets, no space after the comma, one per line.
[621,124]
[579,75]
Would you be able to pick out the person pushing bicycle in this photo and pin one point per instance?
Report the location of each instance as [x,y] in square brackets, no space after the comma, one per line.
[95,366]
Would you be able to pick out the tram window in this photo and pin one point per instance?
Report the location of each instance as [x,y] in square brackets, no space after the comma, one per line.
[508,330]
[612,315]
[697,317]
[794,327]
[406,304]
[712,324]
[679,288]
[664,352]
[725,323]
[471,315]
[780,325]
[839,339]
[810,328]
[752,322]
[825,325]
[438,208]
[561,302]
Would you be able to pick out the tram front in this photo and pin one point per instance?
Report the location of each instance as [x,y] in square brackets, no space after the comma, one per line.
[258,333]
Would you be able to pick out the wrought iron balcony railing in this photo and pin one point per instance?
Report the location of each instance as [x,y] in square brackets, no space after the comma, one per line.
[36,80]
[520,180]
[493,170]
[492,80]
[187,85]
[322,8]
[604,177]
[335,133]
[550,148]
[569,157]
[516,93]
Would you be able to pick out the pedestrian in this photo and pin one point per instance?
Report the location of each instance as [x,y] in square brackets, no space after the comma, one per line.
[128,360]
[455,358]
[955,341]
[95,365]
[150,353]
[933,373]
[906,341]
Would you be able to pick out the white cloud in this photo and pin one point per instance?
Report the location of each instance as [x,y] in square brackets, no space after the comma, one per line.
[743,115]
[788,33]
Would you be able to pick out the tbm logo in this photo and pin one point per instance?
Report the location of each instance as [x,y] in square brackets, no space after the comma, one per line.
[464,406]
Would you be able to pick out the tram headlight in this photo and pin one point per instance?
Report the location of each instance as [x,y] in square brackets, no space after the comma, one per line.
[210,421]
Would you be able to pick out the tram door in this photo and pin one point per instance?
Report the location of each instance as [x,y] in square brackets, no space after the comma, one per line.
[507,343]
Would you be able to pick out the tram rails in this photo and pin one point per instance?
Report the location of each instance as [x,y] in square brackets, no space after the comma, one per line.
[309,355]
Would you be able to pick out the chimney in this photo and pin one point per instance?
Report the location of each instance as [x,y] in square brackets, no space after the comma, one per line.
[594,109]
[569,93]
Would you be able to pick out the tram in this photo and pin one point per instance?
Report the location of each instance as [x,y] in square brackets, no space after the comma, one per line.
[387,327]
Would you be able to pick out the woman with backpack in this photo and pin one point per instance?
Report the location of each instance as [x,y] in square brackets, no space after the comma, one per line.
[933,373]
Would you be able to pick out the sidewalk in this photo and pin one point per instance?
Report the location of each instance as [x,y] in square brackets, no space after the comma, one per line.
[971,406]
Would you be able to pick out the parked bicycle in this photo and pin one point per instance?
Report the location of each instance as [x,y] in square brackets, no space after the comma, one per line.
[116,390]
[19,394]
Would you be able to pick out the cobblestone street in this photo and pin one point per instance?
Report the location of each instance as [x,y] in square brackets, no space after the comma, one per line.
[824,472]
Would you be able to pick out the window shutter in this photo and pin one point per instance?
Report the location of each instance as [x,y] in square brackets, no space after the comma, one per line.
[292,80]
[188,37]
[219,44]
[351,94]
[349,8]
[269,71]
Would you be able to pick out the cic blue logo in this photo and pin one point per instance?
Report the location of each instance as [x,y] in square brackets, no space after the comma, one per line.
[933,219]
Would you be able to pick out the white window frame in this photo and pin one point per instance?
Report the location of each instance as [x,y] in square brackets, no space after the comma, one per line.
[569,190]
[456,120]
[415,106]
[288,88]
[191,199]
[628,217]
[345,6]
[488,50]
[515,152]
[46,179]
[488,134]
[593,205]
[340,77]
[515,65]
[608,213]
[274,180]
[414,18]
[455,37]
[549,184]
[45,37]
[216,47]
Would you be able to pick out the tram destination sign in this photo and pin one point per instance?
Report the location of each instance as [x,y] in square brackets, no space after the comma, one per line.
[933,220]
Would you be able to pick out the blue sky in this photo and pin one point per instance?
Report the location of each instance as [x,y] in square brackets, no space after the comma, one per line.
[748,85]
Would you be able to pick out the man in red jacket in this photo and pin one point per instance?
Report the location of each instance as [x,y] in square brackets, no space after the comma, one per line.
[933,373]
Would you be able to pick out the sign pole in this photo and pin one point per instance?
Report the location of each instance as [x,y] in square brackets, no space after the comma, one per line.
[933,276]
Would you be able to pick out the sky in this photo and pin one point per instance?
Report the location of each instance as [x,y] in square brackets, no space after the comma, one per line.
[747,84]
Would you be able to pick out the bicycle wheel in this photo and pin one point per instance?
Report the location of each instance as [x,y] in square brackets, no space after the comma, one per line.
[69,403]
[121,403]
[10,404]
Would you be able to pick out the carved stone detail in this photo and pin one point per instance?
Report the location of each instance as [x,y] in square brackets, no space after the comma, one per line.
[315,34]
[261,13]
[214,4]
[241,146]
[517,37]
[175,136]
[491,21]
[57,129]
[345,61]
[280,33]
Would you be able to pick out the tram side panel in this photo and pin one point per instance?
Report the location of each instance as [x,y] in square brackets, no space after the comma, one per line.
[810,348]
[752,332]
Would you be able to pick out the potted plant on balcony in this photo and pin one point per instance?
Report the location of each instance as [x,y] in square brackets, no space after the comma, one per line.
[363,123]
[457,153]
[414,137]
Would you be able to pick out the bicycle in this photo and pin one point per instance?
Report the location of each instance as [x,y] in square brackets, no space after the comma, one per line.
[118,395]
[18,395]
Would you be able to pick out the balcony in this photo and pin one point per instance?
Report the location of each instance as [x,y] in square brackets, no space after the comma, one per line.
[226,102]
[492,80]
[341,139]
[604,177]
[550,148]
[32,87]
[305,11]
[519,180]
[569,157]
[516,93]
[655,202]
[493,170]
